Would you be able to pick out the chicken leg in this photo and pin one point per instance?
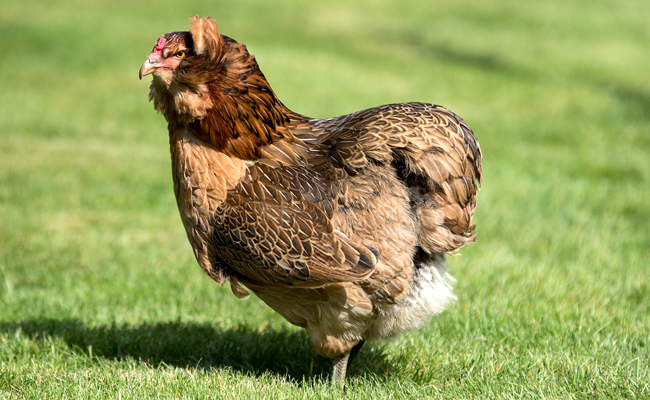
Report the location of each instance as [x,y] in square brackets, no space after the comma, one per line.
[340,365]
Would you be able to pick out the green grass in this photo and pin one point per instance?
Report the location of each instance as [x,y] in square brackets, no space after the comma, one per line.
[100,296]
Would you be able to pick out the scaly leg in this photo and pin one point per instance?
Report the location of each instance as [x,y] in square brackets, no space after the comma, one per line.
[354,352]
[340,365]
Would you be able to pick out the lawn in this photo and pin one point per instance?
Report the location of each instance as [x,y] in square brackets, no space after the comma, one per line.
[100,296]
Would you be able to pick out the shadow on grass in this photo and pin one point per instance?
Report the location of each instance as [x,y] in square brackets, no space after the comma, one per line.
[199,345]
[447,53]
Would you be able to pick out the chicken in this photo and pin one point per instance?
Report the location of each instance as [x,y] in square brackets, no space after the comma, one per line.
[341,225]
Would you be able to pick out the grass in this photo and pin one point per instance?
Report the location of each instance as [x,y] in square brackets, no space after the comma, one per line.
[100,296]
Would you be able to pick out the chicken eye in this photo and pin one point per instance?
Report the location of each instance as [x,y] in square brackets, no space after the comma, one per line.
[180,54]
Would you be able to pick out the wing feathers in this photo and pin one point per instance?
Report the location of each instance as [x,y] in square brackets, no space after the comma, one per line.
[433,150]
[278,220]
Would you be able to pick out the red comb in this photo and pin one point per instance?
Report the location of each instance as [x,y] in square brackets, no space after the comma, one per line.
[161,43]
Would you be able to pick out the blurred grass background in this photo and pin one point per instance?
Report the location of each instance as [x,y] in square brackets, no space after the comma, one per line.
[100,295]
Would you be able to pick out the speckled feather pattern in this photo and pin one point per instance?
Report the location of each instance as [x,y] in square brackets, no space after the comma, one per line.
[341,225]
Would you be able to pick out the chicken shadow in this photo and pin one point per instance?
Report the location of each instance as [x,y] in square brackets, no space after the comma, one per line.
[282,352]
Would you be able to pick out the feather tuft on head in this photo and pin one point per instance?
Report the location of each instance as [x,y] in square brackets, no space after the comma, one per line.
[206,37]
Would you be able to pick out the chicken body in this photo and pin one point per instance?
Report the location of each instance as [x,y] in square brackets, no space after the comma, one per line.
[341,225]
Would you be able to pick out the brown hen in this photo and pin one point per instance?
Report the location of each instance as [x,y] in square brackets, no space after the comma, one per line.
[341,225]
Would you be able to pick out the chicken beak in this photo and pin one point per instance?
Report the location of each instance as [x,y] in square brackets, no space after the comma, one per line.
[147,68]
